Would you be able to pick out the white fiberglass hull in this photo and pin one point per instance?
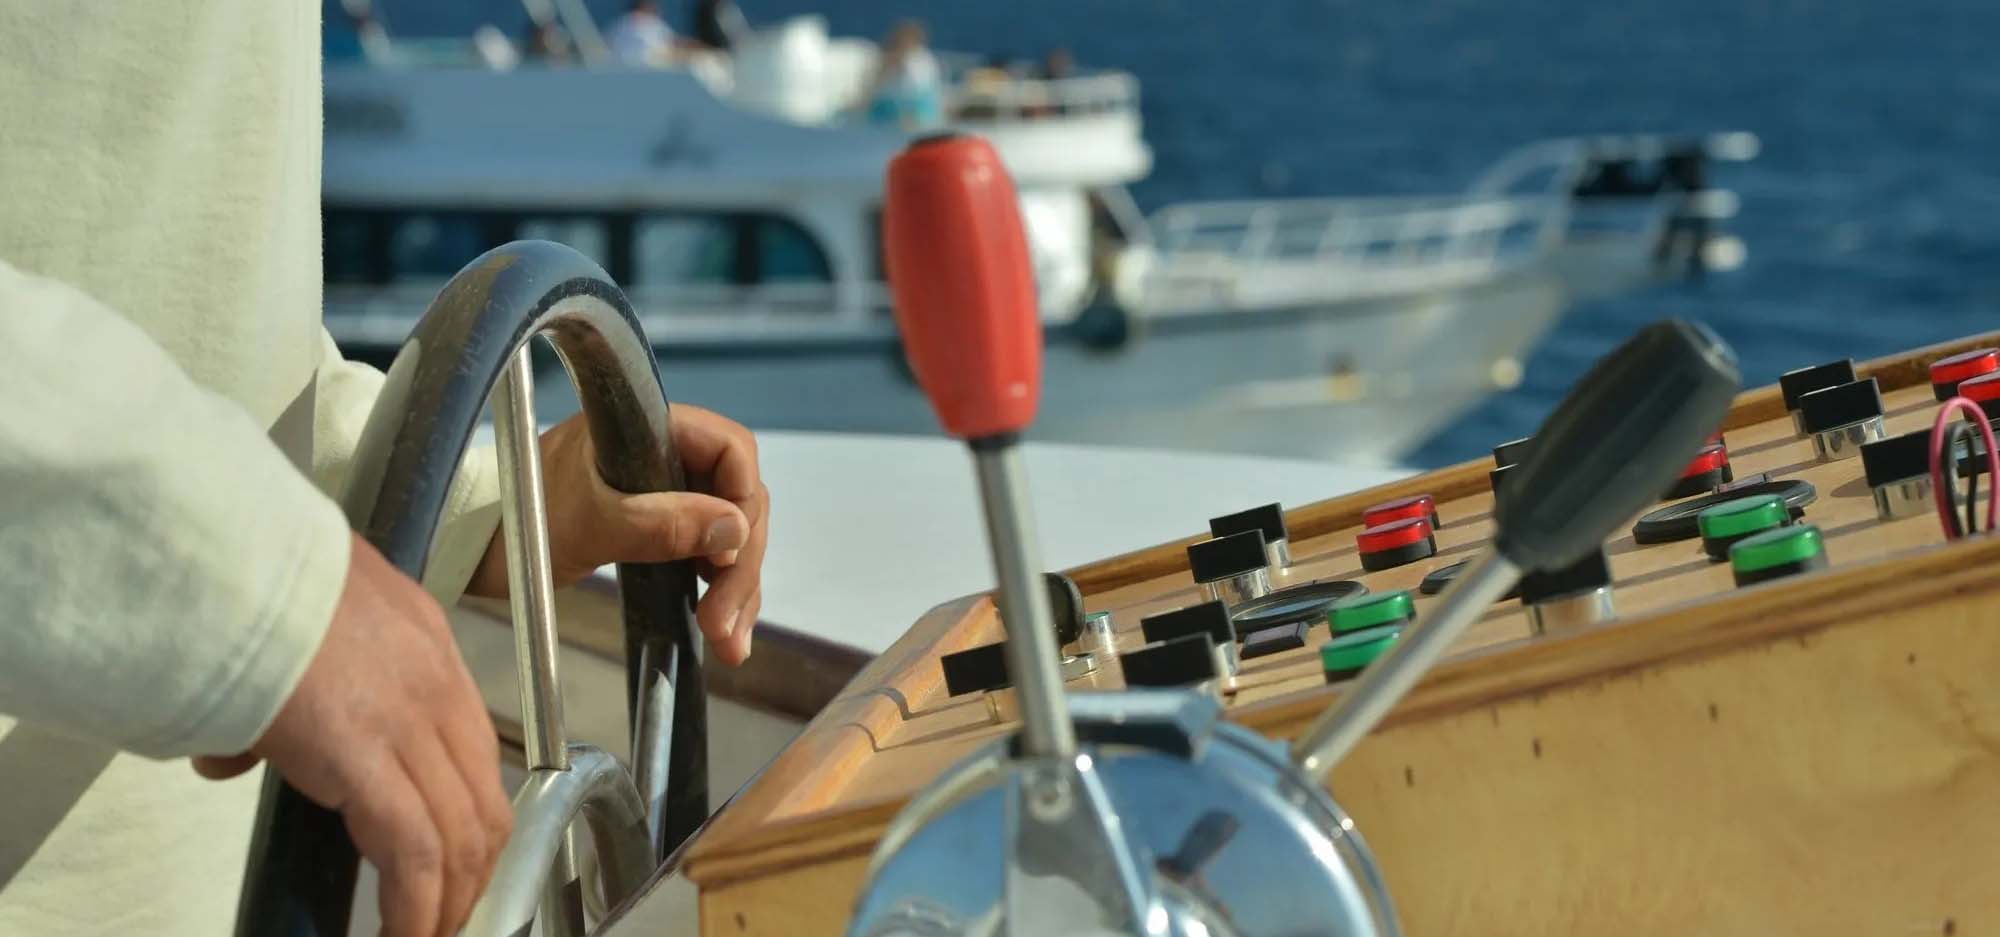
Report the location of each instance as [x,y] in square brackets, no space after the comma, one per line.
[1358,382]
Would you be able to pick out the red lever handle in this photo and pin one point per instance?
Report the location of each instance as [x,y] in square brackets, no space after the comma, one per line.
[963,286]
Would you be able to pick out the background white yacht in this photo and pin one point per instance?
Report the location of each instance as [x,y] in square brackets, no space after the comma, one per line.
[738,199]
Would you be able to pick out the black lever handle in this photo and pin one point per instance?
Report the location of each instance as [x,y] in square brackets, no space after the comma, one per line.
[1617,441]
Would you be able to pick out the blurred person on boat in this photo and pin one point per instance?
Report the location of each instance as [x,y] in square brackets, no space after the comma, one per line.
[179,584]
[1056,66]
[908,89]
[549,45]
[718,24]
[355,36]
[641,36]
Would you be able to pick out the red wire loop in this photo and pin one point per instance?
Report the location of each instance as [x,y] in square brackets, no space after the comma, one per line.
[1941,489]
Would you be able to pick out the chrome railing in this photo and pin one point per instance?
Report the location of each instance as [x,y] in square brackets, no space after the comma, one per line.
[1524,206]
[1380,232]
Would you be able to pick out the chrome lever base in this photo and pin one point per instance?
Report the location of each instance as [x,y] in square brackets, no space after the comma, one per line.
[1222,835]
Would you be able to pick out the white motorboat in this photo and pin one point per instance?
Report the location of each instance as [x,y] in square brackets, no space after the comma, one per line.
[738,200]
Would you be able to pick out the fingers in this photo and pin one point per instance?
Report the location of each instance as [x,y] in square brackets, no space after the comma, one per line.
[722,449]
[223,767]
[447,795]
[746,623]
[393,828]
[728,610]
[475,748]
[674,525]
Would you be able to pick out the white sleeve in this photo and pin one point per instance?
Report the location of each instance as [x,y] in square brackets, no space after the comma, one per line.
[345,393]
[166,572]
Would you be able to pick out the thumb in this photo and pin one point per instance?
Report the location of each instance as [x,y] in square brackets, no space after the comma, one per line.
[224,767]
[675,525]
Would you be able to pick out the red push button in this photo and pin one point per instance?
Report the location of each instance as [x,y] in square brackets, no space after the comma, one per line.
[1964,367]
[1393,534]
[1710,459]
[1415,506]
[1396,543]
[1981,389]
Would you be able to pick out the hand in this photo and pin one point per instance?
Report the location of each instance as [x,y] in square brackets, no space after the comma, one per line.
[387,727]
[724,522]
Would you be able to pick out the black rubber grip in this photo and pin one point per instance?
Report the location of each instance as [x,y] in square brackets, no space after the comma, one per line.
[1065,607]
[1624,433]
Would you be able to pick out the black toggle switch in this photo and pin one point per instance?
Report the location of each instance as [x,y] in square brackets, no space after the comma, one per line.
[1574,596]
[1226,556]
[1591,572]
[1182,661]
[1232,568]
[1209,618]
[1273,640]
[1513,451]
[1840,405]
[1795,384]
[1268,520]
[1843,418]
[976,669]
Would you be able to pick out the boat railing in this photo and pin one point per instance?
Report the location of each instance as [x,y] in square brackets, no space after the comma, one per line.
[982,96]
[1381,233]
[1524,206]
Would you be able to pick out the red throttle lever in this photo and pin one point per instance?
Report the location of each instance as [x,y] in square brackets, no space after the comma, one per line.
[965,302]
[963,286]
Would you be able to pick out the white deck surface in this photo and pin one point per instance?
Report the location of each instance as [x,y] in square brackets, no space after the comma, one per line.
[869,532]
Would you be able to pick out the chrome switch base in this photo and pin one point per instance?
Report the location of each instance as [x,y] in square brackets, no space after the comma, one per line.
[1845,442]
[1573,611]
[1238,589]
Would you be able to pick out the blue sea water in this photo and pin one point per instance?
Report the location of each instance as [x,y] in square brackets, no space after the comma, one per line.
[1872,216]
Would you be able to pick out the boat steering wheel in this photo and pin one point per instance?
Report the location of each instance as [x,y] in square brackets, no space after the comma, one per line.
[472,344]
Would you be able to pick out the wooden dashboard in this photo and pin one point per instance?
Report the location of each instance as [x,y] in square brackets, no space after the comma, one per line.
[1819,753]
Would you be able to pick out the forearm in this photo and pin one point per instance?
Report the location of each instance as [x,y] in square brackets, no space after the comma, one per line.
[168,573]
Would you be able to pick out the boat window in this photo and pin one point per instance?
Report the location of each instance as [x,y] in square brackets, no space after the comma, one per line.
[684,249]
[787,254]
[587,235]
[435,245]
[727,250]
[351,248]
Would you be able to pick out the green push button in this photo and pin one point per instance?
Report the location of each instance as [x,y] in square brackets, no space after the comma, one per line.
[1726,523]
[1368,611]
[1344,656]
[1775,553]
[1744,516]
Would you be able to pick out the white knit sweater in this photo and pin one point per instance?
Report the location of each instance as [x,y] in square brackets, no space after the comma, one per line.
[171,413]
